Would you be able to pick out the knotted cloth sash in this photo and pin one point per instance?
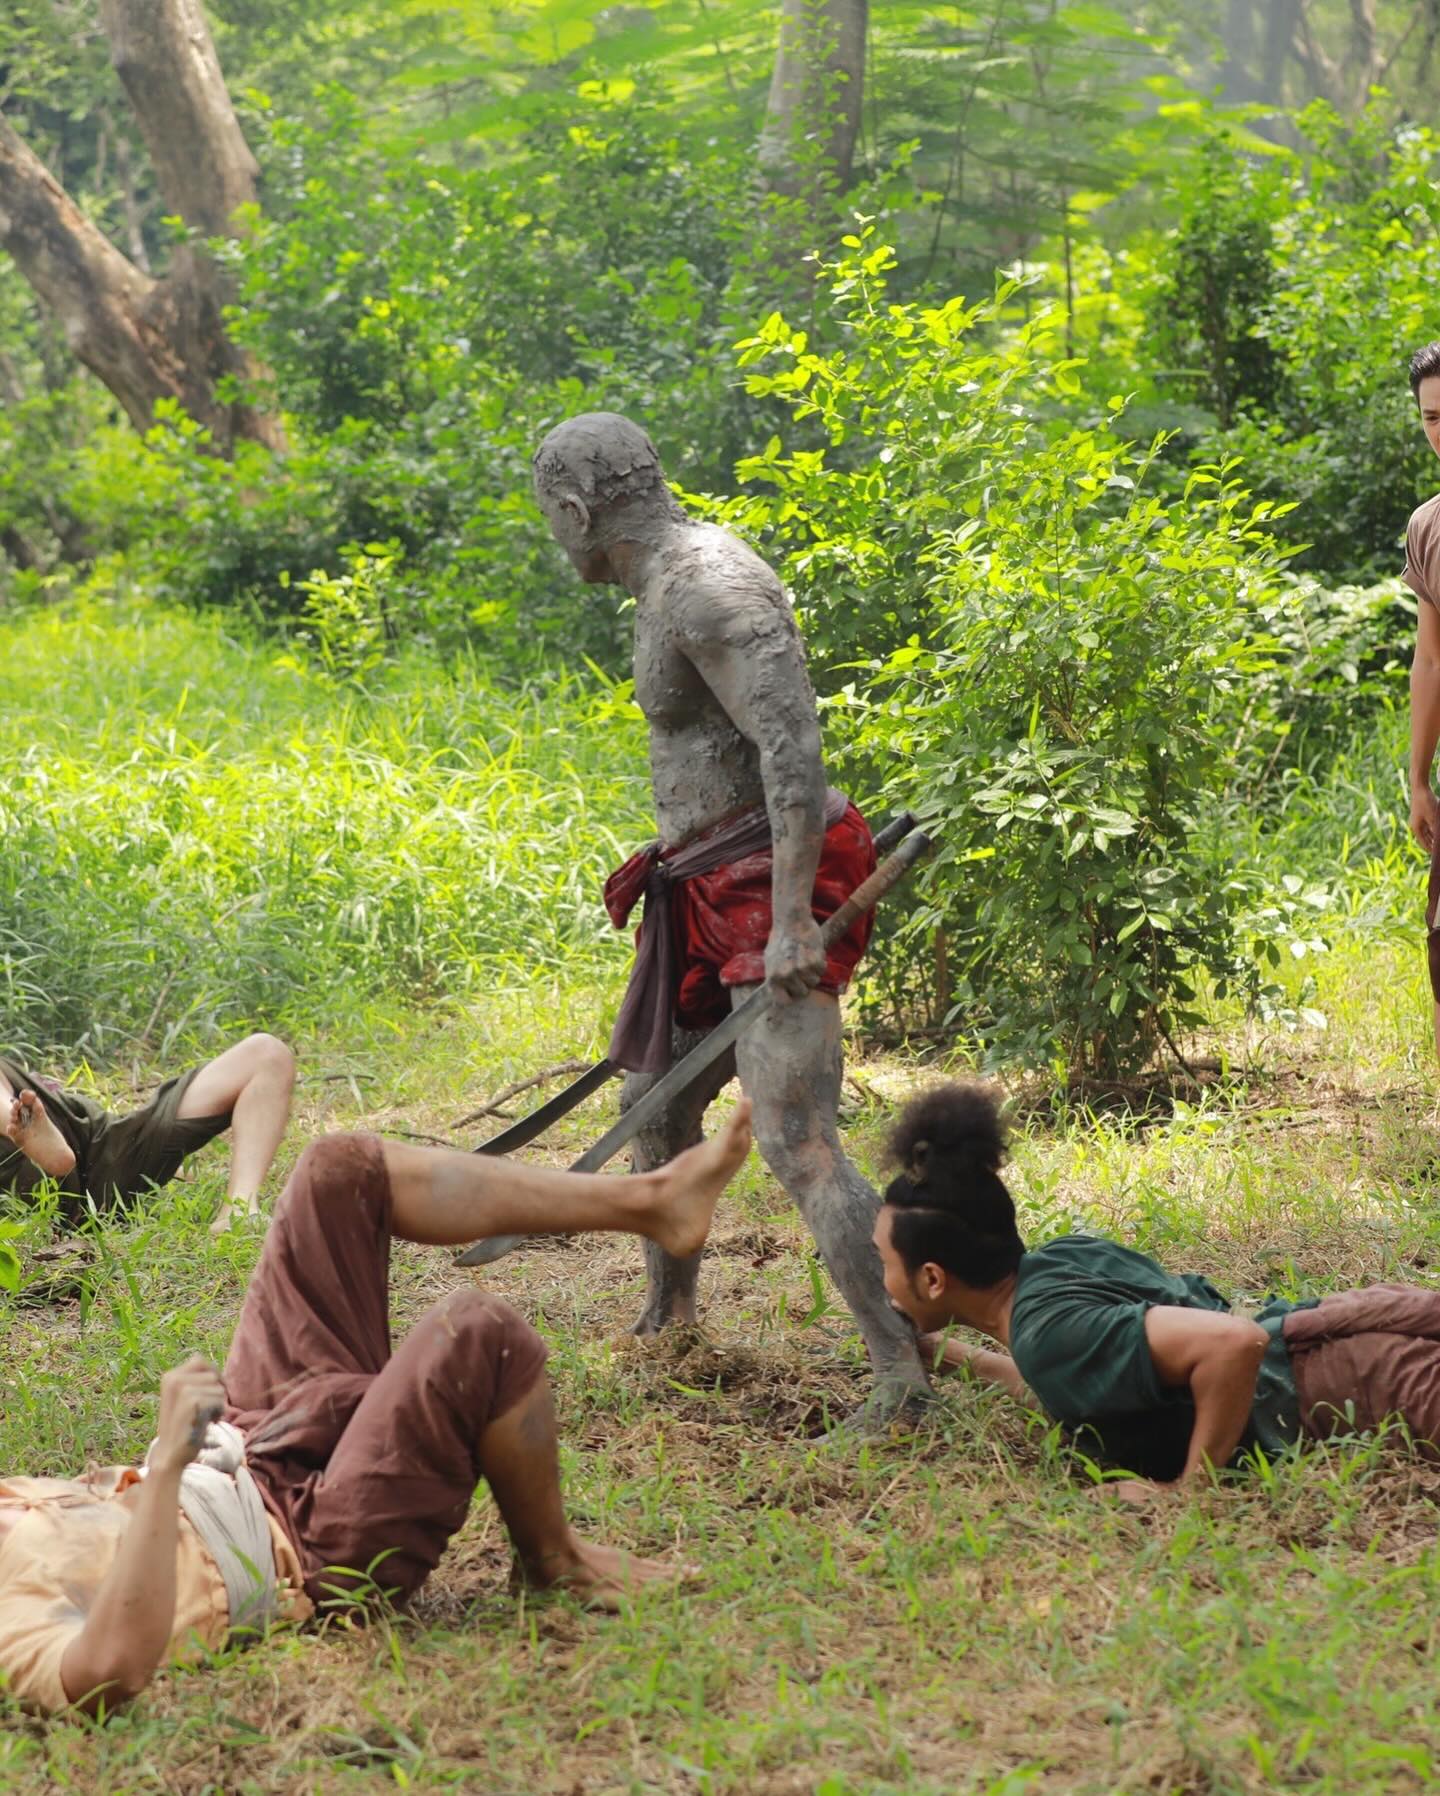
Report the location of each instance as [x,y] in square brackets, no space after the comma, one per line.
[222,1502]
[640,1041]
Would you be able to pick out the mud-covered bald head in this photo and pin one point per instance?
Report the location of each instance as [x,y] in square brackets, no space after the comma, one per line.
[599,481]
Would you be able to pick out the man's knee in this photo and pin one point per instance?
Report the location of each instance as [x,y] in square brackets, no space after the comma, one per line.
[337,1170]
[269,1054]
[483,1347]
[795,1144]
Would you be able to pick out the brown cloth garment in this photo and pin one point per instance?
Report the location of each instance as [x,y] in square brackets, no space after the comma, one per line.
[1432,933]
[368,1459]
[1361,1356]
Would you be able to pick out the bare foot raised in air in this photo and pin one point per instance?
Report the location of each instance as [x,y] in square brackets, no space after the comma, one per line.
[685,1193]
[25,1121]
[600,1577]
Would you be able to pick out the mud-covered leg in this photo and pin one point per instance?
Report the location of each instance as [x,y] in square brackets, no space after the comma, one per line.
[791,1064]
[670,1283]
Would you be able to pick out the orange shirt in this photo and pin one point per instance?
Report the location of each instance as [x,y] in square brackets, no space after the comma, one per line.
[55,1556]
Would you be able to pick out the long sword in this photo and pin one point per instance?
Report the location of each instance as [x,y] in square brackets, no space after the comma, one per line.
[641,1113]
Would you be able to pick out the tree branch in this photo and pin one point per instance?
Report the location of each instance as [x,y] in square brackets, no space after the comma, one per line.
[165,57]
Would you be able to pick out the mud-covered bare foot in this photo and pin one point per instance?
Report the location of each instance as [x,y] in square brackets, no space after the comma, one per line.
[686,1191]
[601,1577]
[895,1402]
[26,1122]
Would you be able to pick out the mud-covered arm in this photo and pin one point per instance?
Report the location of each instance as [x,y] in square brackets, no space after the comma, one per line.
[749,655]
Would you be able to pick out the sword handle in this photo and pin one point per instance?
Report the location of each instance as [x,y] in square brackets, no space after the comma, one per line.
[892,834]
[867,895]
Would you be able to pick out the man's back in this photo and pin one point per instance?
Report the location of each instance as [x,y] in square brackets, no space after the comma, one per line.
[714,635]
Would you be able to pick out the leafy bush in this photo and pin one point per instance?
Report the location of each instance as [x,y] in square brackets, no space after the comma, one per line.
[1294,299]
[1056,659]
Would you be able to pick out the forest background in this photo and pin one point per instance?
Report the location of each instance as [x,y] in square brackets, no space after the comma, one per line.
[1095,554]
[1055,352]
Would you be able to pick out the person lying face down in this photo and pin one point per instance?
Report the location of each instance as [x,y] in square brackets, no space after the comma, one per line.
[322,1467]
[1150,1368]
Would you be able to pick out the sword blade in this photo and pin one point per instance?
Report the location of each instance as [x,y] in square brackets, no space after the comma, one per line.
[519,1134]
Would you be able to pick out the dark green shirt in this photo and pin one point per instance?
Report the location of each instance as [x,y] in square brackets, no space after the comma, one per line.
[79,1119]
[1077,1334]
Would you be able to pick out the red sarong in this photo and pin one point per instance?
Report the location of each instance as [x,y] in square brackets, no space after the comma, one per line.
[720,919]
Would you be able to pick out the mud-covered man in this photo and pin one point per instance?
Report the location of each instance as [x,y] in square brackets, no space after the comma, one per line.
[754,852]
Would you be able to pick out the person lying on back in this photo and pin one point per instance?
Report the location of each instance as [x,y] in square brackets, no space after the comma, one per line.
[1149,1369]
[323,1468]
[47,1131]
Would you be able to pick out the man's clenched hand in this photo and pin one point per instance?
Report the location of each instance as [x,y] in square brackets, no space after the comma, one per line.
[191,1398]
[795,959]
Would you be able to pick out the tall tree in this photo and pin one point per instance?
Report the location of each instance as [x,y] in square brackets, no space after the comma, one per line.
[812,116]
[147,338]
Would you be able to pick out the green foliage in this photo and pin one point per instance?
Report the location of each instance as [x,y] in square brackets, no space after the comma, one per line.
[1069,655]
[1220,278]
[1290,303]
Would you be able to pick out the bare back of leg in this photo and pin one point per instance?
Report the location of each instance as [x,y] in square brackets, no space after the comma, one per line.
[791,1064]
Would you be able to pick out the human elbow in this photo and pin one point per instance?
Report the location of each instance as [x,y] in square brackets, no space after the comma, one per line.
[100,1687]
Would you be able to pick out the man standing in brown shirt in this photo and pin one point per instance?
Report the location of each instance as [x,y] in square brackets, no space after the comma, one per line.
[1422,576]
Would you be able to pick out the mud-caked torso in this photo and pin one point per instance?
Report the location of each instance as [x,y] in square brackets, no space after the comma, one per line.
[712,603]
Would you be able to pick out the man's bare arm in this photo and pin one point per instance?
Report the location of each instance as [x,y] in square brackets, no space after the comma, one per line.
[748,652]
[982,1362]
[125,1635]
[1424,724]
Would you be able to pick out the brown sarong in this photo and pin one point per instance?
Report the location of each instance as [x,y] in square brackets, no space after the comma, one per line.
[368,1459]
[1432,933]
[1362,1357]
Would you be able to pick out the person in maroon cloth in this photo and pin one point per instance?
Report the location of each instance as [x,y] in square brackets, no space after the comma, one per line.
[322,1467]
[754,853]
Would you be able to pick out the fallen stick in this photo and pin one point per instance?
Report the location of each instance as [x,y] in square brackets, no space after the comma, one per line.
[506,1092]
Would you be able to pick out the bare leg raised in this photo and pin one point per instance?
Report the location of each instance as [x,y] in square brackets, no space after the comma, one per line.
[253,1083]
[445,1199]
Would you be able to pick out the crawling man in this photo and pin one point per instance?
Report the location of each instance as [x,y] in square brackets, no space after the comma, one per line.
[47,1131]
[340,1469]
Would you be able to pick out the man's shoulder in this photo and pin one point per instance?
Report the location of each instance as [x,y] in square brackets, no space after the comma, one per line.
[1425,519]
[715,569]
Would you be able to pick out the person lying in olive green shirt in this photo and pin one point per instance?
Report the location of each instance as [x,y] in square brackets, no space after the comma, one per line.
[50,1132]
[1149,1370]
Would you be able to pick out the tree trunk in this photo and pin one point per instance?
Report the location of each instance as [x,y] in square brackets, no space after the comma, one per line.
[147,339]
[812,116]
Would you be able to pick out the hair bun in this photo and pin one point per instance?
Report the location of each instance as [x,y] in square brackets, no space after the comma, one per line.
[957,1123]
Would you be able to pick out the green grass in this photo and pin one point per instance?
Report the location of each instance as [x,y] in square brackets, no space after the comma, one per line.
[197,836]
[950,1613]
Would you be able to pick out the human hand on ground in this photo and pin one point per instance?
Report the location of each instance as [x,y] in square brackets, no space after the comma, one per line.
[1424,817]
[191,1398]
[795,958]
[1139,1493]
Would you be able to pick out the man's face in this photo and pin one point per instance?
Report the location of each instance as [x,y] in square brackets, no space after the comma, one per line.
[569,523]
[1429,397]
[920,1295]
